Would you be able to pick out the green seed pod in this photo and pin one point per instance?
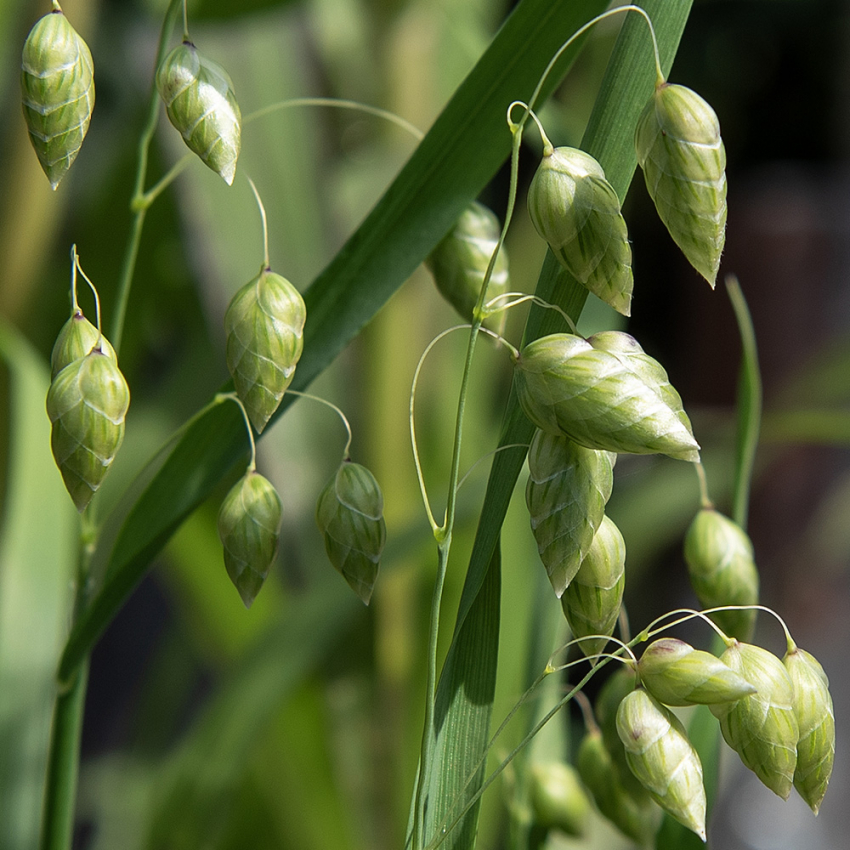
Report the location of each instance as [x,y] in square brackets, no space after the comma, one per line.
[558,799]
[199,100]
[460,260]
[264,325]
[568,488]
[592,601]
[350,515]
[77,339]
[57,91]
[681,153]
[662,758]
[677,674]
[87,403]
[249,529]
[816,720]
[576,210]
[601,399]
[762,727]
[720,563]
[637,818]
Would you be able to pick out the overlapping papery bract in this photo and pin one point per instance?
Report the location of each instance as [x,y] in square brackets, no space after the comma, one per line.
[662,758]
[460,261]
[57,91]
[568,488]
[719,555]
[199,99]
[249,523]
[681,153]
[87,403]
[816,721]
[677,674]
[591,602]
[576,210]
[264,326]
[603,393]
[350,515]
[76,339]
[762,727]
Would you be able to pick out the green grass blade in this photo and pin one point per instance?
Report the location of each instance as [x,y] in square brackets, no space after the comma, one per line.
[609,137]
[37,556]
[459,155]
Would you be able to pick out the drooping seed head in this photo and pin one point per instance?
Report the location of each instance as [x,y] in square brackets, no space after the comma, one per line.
[602,398]
[662,758]
[568,488]
[677,674]
[762,727]
[576,210]
[460,260]
[557,798]
[87,403]
[816,720]
[681,153]
[264,326]
[350,515]
[636,817]
[722,570]
[200,103]
[249,523]
[76,339]
[57,91]
[591,602]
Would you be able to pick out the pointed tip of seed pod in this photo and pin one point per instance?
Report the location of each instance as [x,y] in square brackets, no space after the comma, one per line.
[228,173]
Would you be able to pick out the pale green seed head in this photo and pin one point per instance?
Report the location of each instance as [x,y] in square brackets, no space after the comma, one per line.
[349,514]
[76,339]
[591,602]
[460,260]
[568,487]
[816,721]
[558,799]
[264,326]
[576,210]
[677,674]
[722,570]
[87,403]
[603,399]
[636,817]
[200,103]
[663,759]
[679,148]
[762,727]
[57,92]
[249,523]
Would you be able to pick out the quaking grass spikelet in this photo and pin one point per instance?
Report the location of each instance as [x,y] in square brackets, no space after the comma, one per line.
[249,523]
[350,515]
[264,326]
[57,92]
[576,210]
[200,103]
[558,800]
[87,403]
[460,260]
[568,488]
[681,153]
[76,339]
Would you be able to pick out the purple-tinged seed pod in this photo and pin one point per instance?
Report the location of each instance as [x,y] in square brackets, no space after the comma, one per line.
[816,720]
[762,727]
[603,399]
[677,674]
[249,523]
[663,759]
[264,326]
[57,91]
[576,210]
[568,488]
